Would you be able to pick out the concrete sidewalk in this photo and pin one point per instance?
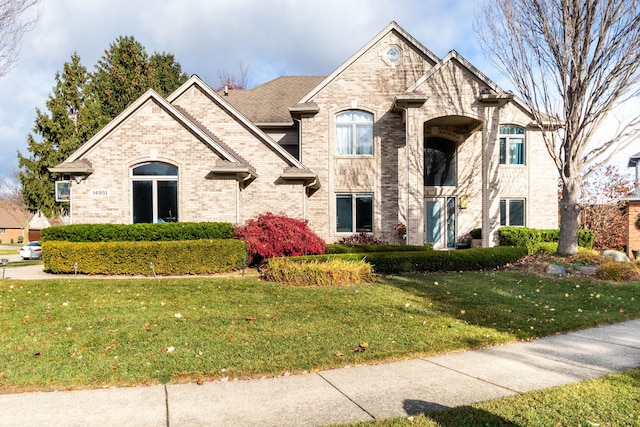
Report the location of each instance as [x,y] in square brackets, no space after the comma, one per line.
[360,393]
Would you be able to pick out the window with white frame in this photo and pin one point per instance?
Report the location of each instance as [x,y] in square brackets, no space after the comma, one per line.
[512,212]
[155,193]
[512,139]
[354,213]
[354,133]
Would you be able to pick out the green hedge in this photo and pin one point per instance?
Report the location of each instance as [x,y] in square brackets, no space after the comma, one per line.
[432,261]
[133,258]
[138,232]
[340,248]
[531,238]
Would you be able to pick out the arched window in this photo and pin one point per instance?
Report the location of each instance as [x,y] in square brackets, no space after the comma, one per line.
[440,163]
[511,145]
[354,133]
[155,192]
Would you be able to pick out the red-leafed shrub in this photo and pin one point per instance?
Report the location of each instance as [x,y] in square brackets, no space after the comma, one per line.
[270,236]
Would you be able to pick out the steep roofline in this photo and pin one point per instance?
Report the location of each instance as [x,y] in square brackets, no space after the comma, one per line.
[194,80]
[136,105]
[393,26]
[453,55]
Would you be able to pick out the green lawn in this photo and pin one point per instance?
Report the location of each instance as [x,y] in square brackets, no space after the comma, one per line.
[71,333]
[608,401]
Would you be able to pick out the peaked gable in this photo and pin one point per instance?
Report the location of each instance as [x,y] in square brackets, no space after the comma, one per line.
[196,83]
[393,27]
[174,112]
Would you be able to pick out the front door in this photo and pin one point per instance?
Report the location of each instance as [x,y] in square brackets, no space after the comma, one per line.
[440,221]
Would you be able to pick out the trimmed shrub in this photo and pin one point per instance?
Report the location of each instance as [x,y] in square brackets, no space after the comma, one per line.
[433,261]
[476,233]
[333,272]
[133,258]
[531,238]
[548,248]
[138,232]
[271,236]
[361,239]
[339,248]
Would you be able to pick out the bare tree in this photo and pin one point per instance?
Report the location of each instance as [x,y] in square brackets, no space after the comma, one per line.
[573,62]
[231,81]
[12,27]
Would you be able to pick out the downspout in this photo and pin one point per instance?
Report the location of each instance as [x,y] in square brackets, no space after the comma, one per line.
[406,155]
[304,187]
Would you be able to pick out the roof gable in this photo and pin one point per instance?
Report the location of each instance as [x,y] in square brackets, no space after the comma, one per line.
[174,112]
[196,82]
[392,27]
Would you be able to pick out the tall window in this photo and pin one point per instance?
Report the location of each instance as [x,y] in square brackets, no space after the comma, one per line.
[155,192]
[512,212]
[511,145]
[354,213]
[439,162]
[354,133]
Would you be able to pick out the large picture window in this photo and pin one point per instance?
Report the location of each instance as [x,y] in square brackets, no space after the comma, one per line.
[354,213]
[512,212]
[155,193]
[354,133]
[439,163]
[511,145]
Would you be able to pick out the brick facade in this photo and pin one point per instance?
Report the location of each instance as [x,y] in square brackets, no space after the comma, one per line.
[415,97]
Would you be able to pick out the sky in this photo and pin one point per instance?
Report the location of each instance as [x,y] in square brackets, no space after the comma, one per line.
[269,37]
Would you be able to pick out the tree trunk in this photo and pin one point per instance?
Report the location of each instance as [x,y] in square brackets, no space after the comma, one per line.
[569,217]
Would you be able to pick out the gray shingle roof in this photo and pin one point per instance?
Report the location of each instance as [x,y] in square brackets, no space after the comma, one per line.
[270,102]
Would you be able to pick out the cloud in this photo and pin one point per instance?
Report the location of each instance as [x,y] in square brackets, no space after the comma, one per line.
[271,37]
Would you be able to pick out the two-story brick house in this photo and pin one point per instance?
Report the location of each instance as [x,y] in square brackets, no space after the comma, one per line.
[394,135]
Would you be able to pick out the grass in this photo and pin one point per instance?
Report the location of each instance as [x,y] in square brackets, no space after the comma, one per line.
[608,401]
[8,252]
[60,334]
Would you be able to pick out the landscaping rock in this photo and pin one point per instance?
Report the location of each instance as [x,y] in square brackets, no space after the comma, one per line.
[555,269]
[616,256]
[587,270]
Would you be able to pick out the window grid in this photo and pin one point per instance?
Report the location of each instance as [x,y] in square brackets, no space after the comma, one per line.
[512,212]
[512,145]
[354,133]
[354,213]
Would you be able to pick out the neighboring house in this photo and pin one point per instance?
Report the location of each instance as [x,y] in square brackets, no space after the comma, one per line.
[633,212]
[394,135]
[12,223]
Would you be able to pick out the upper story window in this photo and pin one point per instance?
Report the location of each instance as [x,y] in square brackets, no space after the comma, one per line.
[511,145]
[354,133]
[155,192]
[440,163]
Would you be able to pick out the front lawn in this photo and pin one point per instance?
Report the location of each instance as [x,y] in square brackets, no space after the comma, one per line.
[608,401]
[69,333]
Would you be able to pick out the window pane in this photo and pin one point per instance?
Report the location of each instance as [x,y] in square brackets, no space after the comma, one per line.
[142,201]
[365,139]
[433,222]
[361,116]
[503,151]
[511,130]
[344,142]
[516,213]
[516,151]
[503,213]
[451,222]
[156,169]
[440,162]
[344,214]
[167,201]
[364,213]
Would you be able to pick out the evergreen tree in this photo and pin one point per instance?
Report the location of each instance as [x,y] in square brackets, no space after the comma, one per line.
[56,134]
[166,73]
[82,103]
[122,74]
